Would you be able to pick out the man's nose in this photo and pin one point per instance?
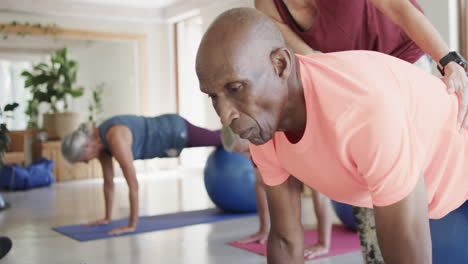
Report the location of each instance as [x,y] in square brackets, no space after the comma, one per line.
[227,112]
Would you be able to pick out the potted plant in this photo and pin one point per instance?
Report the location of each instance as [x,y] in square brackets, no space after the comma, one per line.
[53,84]
[4,141]
[4,137]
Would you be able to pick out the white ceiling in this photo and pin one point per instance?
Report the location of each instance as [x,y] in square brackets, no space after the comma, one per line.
[149,11]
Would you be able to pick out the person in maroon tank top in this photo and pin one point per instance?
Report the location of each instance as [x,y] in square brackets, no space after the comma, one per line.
[395,27]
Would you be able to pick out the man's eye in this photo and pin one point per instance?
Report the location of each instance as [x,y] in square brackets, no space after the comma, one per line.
[234,88]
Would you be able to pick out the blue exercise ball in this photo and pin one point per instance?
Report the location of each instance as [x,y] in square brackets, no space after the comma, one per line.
[230,181]
[345,214]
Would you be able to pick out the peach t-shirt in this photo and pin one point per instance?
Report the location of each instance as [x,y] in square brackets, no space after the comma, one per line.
[374,125]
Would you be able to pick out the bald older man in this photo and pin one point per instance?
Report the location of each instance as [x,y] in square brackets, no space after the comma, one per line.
[349,124]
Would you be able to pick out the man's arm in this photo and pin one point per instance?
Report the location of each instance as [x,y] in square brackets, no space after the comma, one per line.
[403,229]
[293,41]
[120,144]
[286,239]
[424,34]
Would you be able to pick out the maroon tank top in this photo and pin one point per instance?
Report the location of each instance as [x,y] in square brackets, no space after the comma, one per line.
[353,25]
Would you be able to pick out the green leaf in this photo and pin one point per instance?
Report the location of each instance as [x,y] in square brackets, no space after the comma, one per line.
[77,92]
[26,74]
[42,97]
[41,79]
[28,83]
[10,107]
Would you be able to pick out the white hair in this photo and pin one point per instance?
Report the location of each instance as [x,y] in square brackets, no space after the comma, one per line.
[229,138]
[72,144]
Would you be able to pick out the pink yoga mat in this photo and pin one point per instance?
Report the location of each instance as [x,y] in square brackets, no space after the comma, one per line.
[343,241]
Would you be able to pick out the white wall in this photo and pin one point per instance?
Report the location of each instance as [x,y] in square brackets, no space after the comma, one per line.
[443,15]
[115,65]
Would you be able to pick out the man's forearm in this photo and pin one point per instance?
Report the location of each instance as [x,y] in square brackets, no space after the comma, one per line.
[282,250]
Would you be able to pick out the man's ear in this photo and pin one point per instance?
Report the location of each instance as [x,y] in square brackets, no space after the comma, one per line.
[281,59]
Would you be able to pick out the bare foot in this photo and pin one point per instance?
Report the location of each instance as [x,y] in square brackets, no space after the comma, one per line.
[315,250]
[122,229]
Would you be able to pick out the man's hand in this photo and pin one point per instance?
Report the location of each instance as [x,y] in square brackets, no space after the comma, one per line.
[259,237]
[315,250]
[457,82]
[104,221]
[122,230]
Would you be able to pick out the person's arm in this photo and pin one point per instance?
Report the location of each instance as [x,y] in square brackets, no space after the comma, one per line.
[424,34]
[108,188]
[108,172]
[403,229]
[120,143]
[323,211]
[286,238]
[292,40]
[262,235]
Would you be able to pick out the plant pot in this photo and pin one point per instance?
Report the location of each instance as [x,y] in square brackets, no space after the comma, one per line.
[61,124]
[65,123]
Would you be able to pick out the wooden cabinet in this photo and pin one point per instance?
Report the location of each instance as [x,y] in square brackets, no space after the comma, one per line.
[64,171]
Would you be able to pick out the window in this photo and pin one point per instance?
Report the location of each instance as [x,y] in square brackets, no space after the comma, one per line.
[191,103]
[12,90]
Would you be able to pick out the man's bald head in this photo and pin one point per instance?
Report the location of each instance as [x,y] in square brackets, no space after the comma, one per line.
[244,66]
[243,33]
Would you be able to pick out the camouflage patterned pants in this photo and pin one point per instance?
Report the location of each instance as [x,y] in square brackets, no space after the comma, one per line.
[365,225]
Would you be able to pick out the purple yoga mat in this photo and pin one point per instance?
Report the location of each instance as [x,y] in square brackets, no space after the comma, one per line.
[343,241]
